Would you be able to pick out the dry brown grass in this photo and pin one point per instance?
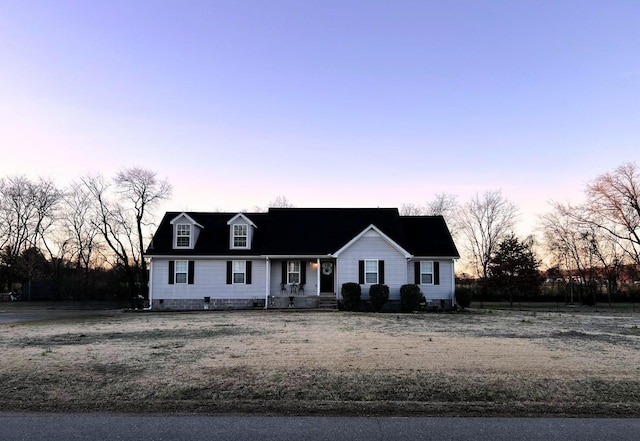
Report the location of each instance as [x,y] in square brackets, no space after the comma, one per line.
[478,363]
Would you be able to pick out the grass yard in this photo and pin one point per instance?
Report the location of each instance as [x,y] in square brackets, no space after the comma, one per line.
[483,362]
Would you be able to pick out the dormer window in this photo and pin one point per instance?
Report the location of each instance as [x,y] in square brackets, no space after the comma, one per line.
[183,236]
[240,235]
[185,231]
[240,232]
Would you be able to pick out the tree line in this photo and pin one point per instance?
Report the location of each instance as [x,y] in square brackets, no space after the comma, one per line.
[87,240]
[585,247]
[84,241]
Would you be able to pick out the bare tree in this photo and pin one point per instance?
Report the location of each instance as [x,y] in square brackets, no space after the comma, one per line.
[27,212]
[47,198]
[614,206]
[82,234]
[143,190]
[571,241]
[281,202]
[443,204]
[120,213]
[411,210]
[17,212]
[110,219]
[483,222]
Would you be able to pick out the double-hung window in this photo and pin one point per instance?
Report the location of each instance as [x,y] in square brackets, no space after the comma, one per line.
[239,271]
[240,236]
[426,273]
[183,236]
[293,271]
[371,271]
[181,271]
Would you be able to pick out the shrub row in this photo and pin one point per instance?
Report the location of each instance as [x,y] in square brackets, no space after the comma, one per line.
[411,298]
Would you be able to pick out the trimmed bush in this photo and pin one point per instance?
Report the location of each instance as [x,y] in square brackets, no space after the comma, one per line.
[410,297]
[379,295]
[464,296]
[351,294]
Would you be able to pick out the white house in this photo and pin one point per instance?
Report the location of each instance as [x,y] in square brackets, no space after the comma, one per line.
[296,257]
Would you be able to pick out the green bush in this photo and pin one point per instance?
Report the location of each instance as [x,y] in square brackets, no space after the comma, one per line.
[410,297]
[464,296]
[351,294]
[379,295]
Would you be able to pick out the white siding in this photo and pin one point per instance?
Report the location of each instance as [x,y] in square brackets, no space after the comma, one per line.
[310,288]
[210,280]
[373,246]
[435,292]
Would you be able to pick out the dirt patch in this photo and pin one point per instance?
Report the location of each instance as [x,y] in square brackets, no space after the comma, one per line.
[479,363]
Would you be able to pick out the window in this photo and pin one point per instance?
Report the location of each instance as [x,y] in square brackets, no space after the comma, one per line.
[183,235]
[371,271]
[240,236]
[426,273]
[182,270]
[239,271]
[293,271]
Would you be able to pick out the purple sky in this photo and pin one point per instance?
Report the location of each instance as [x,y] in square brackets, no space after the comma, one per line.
[330,103]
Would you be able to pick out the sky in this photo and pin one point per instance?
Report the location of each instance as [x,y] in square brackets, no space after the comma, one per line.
[334,103]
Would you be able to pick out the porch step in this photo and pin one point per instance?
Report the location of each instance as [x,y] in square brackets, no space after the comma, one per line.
[327,301]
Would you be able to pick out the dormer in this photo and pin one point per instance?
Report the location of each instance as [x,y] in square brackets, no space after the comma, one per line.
[240,232]
[185,232]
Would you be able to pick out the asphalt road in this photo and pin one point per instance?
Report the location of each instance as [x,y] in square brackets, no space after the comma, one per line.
[70,427]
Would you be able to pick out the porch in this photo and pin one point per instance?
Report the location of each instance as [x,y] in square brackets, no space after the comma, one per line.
[302,301]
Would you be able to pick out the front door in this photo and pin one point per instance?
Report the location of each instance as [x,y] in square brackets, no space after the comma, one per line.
[327,276]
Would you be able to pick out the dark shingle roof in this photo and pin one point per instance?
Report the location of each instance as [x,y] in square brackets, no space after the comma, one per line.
[429,236]
[310,231]
[214,236]
[324,230]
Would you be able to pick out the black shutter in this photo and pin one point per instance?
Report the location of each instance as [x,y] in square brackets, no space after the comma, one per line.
[361,272]
[229,272]
[416,271]
[172,271]
[248,276]
[381,272]
[284,272]
[303,272]
[436,273]
[191,272]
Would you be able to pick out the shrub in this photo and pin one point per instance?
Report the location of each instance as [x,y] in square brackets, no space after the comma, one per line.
[351,294]
[379,295]
[410,297]
[464,296]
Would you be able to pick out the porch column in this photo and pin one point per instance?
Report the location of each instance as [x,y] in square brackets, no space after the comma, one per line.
[453,283]
[150,283]
[318,276]
[268,287]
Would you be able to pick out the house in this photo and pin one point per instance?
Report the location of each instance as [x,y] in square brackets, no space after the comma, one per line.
[296,257]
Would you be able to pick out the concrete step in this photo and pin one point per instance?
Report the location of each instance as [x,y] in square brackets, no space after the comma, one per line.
[327,301]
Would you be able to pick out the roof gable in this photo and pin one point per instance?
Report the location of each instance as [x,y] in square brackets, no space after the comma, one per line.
[184,215]
[375,230]
[240,218]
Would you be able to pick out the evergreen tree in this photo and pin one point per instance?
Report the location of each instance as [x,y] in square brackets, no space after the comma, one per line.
[514,268]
